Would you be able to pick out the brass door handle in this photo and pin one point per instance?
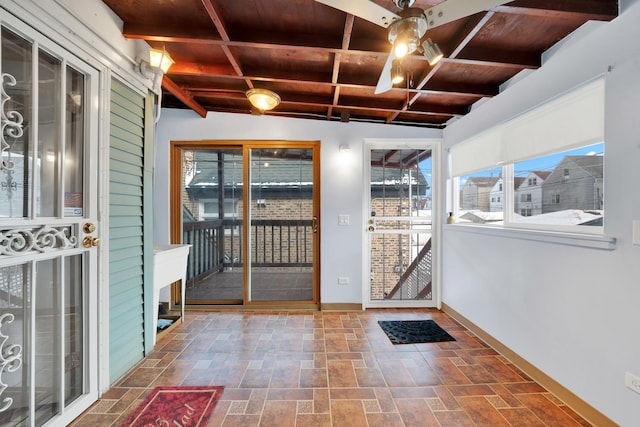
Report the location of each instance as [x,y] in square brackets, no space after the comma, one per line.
[314,224]
[89,241]
[88,227]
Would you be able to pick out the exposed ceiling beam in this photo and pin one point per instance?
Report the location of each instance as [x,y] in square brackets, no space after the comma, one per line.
[346,39]
[563,9]
[184,97]
[215,17]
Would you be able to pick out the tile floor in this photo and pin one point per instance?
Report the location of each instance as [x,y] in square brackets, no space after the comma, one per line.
[310,369]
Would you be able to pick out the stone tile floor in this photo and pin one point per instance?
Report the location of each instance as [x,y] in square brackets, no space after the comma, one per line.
[310,369]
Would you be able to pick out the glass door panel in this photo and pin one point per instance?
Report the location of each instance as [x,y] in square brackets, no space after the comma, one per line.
[284,224]
[400,225]
[212,210]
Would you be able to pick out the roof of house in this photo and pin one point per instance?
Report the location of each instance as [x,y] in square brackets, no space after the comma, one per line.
[592,164]
[483,181]
[541,174]
[517,181]
[281,173]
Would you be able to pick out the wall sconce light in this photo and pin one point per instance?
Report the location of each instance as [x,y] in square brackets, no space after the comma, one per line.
[432,52]
[397,76]
[344,148]
[158,64]
[263,99]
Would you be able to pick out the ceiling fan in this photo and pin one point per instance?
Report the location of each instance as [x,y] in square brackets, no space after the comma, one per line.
[407,28]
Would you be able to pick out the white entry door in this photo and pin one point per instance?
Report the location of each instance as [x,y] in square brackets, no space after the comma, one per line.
[48,231]
[401,219]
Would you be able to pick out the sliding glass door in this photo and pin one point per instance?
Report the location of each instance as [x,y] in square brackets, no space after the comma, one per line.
[250,211]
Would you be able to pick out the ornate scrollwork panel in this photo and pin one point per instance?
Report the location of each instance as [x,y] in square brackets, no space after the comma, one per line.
[10,360]
[11,124]
[42,239]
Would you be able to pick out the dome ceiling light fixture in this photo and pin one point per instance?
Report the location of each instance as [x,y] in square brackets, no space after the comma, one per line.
[263,99]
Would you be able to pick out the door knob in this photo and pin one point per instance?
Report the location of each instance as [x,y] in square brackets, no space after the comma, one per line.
[89,241]
[88,227]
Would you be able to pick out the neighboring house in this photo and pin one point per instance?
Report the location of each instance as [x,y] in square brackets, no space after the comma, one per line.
[576,183]
[528,196]
[476,192]
[497,194]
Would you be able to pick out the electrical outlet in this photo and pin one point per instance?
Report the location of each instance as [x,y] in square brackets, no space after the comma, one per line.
[343,280]
[632,382]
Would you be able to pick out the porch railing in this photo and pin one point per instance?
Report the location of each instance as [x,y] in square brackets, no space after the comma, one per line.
[218,245]
[416,282]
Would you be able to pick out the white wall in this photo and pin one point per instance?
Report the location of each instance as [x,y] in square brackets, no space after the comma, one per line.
[570,311]
[341,181]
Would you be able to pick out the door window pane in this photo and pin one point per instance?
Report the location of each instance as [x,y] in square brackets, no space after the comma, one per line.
[15,283]
[282,224]
[400,224]
[74,137]
[47,176]
[212,224]
[16,151]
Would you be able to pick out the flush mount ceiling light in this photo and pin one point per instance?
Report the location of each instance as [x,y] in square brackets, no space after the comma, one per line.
[432,52]
[263,99]
[397,76]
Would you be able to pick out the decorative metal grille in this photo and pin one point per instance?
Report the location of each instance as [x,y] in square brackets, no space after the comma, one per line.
[11,125]
[10,359]
[42,239]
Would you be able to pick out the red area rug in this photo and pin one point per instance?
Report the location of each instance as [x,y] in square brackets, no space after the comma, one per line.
[176,406]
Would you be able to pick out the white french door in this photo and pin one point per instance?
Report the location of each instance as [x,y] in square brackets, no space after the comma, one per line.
[402,214]
[48,230]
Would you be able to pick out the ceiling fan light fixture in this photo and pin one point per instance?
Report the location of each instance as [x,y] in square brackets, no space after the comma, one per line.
[397,76]
[405,34]
[263,99]
[432,52]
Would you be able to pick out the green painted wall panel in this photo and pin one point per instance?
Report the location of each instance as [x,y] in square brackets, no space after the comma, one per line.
[129,169]
[126,226]
[120,188]
[126,157]
[125,179]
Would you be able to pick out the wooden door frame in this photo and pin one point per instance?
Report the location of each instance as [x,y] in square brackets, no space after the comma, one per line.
[175,207]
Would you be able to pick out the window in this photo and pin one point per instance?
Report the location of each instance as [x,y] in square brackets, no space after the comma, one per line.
[554,152]
[570,188]
[476,202]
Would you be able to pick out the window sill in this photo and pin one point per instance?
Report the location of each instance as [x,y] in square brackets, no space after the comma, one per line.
[592,241]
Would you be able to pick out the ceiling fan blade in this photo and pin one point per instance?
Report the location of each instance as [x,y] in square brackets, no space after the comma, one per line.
[364,9]
[451,10]
[384,82]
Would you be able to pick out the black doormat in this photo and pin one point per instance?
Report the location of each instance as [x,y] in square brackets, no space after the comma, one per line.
[414,331]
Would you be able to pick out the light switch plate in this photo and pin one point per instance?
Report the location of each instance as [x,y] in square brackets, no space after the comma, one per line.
[343,219]
[636,232]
